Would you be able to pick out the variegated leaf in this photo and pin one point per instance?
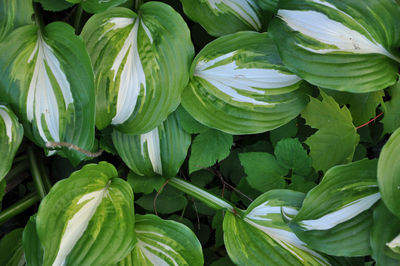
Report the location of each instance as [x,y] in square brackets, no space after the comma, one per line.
[11,134]
[141,65]
[87,219]
[96,6]
[343,45]
[263,238]
[220,17]
[337,208]
[47,78]
[240,86]
[394,245]
[13,14]
[33,250]
[163,242]
[158,152]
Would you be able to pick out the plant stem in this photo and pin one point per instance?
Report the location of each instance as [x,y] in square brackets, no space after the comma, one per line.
[78,18]
[37,178]
[38,16]
[19,207]
[17,170]
[138,3]
[214,202]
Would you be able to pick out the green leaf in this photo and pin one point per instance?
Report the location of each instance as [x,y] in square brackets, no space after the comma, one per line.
[54,5]
[391,109]
[11,134]
[95,215]
[96,6]
[358,52]
[386,226]
[139,76]
[48,80]
[299,183]
[13,14]
[11,251]
[223,17]
[336,139]
[144,184]
[288,130]
[33,250]
[239,85]
[163,242]
[389,173]
[215,144]
[158,152]
[188,123]
[337,206]
[263,171]
[169,200]
[261,237]
[291,154]
[201,178]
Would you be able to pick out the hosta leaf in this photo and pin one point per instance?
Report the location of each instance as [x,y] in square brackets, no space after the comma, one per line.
[87,219]
[391,109]
[13,14]
[220,17]
[345,193]
[11,134]
[316,37]
[33,250]
[48,80]
[263,238]
[54,5]
[11,251]
[158,152]
[386,226]
[336,139]
[394,245]
[240,86]
[163,242]
[139,74]
[96,6]
[389,173]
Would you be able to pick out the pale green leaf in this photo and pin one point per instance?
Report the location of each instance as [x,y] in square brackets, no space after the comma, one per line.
[13,14]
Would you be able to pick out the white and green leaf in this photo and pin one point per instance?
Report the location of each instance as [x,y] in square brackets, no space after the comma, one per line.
[220,17]
[239,86]
[139,76]
[11,134]
[163,242]
[96,214]
[33,250]
[317,36]
[158,152]
[47,78]
[13,14]
[341,201]
[262,237]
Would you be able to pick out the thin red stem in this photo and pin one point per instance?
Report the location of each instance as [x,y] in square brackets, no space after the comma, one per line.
[370,121]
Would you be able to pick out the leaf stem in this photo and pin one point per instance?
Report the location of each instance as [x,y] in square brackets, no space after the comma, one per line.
[38,16]
[77,19]
[214,202]
[37,178]
[19,207]
[138,3]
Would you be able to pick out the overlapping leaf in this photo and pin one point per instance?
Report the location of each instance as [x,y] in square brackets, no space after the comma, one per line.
[263,238]
[158,152]
[14,13]
[87,219]
[96,6]
[163,242]
[239,86]
[391,109]
[343,45]
[11,134]
[11,252]
[336,210]
[48,80]
[33,250]
[139,73]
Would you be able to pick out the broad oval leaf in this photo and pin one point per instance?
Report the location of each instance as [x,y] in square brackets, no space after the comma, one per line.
[336,208]
[163,242]
[96,6]
[139,74]
[240,86]
[343,45]
[11,134]
[389,173]
[158,152]
[262,237]
[87,219]
[55,5]
[13,14]
[48,80]
[33,250]
[220,17]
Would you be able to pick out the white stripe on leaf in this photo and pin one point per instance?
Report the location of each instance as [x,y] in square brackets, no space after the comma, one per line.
[7,121]
[41,101]
[325,30]
[344,214]
[244,8]
[231,80]
[152,253]
[77,225]
[394,244]
[152,140]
